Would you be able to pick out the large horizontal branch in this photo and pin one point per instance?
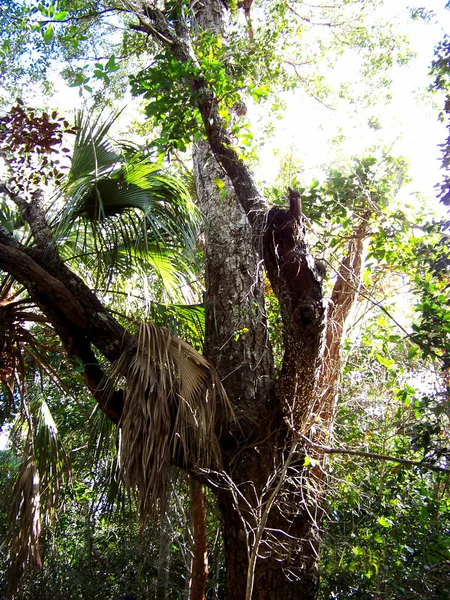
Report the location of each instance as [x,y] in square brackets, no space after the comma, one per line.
[41,285]
[61,294]
[74,311]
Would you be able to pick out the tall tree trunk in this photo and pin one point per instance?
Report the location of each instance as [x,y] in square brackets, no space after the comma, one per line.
[237,343]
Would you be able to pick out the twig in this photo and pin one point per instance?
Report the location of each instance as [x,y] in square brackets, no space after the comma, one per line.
[402,461]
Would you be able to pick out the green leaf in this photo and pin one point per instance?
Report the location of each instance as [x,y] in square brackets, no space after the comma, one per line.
[384,522]
[111,65]
[60,16]
[48,34]
[412,352]
[386,362]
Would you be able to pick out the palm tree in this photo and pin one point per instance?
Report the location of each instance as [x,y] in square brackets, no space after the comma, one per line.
[116,214]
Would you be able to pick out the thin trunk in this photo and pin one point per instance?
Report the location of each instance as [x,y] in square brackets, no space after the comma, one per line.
[216,565]
[200,558]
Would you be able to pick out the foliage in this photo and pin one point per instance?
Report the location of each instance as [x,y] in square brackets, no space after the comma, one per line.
[387,525]
[118,212]
[28,142]
[168,382]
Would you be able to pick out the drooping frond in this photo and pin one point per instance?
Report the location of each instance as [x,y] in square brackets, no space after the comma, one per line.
[25,524]
[52,461]
[173,400]
[36,491]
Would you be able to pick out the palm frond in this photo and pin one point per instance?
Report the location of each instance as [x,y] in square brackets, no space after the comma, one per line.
[183,320]
[25,523]
[93,150]
[52,461]
[172,400]
[119,204]
[36,491]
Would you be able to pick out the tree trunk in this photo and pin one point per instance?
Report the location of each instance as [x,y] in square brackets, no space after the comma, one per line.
[237,343]
[200,558]
[162,583]
[281,530]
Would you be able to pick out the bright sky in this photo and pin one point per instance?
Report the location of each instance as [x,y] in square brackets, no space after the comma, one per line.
[409,123]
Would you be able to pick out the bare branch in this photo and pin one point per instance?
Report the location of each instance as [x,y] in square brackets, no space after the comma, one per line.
[374,455]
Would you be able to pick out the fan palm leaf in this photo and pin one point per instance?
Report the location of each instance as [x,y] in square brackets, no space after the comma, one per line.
[93,151]
[172,399]
[113,191]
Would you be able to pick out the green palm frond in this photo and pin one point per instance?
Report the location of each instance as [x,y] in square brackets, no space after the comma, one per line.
[93,151]
[117,203]
[182,320]
[52,461]
[10,217]
[172,400]
[116,257]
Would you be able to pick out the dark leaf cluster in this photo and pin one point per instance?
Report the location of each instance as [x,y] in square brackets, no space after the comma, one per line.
[27,141]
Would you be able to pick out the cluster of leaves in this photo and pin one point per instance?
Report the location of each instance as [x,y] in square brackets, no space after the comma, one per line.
[440,69]
[432,329]
[172,105]
[27,141]
[166,86]
[18,37]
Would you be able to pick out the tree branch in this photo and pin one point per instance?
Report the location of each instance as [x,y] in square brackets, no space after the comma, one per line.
[363,454]
[76,314]
[153,22]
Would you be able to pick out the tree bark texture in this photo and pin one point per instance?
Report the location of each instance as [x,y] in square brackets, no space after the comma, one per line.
[162,582]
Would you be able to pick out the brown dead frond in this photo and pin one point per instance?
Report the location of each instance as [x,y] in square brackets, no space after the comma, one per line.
[172,400]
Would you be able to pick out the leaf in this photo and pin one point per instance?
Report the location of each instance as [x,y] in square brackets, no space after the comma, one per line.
[48,34]
[412,352]
[111,64]
[384,522]
[386,362]
[60,16]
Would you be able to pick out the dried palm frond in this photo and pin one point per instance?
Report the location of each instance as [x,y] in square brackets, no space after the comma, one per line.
[44,466]
[25,525]
[172,399]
